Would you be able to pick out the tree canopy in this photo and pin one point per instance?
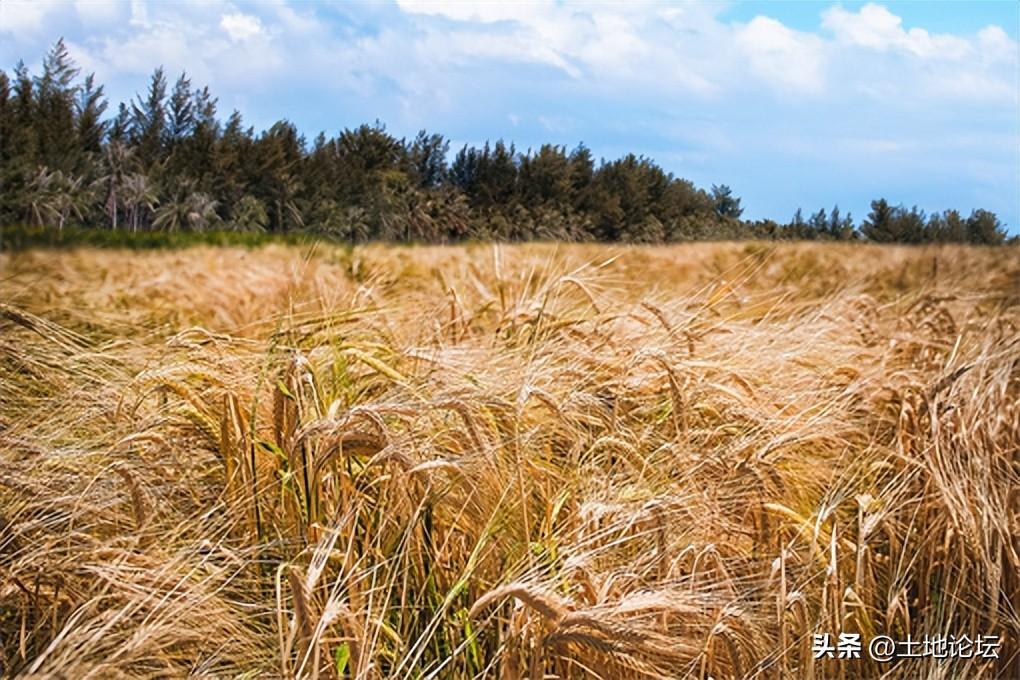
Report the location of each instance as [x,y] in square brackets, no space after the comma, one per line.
[166,161]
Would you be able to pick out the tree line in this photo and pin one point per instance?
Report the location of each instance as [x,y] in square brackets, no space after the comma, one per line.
[165,161]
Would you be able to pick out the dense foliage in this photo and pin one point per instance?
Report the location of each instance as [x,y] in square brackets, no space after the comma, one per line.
[166,162]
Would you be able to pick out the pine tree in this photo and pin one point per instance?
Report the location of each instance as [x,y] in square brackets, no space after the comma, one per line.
[544,177]
[910,226]
[880,224]
[984,227]
[581,169]
[818,225]
[55,95]
[840,228]
[120,127]
[148,122]
[496,184]
[726,204]
[7,131]
[427,158]
[180,114]
[464,171]
[89,109]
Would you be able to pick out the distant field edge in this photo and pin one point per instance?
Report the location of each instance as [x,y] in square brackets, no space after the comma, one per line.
[15,238]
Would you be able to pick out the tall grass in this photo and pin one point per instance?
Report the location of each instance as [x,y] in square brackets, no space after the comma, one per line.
[515,462]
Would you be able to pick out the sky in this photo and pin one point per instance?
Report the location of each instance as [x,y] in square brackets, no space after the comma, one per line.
[792,104]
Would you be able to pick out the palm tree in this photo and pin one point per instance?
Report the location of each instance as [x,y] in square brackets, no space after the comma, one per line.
[191,210]
[54,197]
[202,211]
[138,195]
[249,215]
[116,156]
[40,197]
[287,211]
[72,196]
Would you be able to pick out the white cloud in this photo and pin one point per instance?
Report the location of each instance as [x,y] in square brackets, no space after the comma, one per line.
[995,45]
[485,12]
[98,13]
[139,13]
[430,54]
[689,48]
[240,27]
[297,24]
[216,46]
[467,46]
[881,58]
[21,16]
[783,57]
[635,44]
[875,27]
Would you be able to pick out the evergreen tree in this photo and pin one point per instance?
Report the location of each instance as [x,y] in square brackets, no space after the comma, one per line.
[427,159]
[955,227]
[7,131]
[180,114]
[984,227]
[20,142]
[581,170]
[544,177]
[818,225]
[910,226]
[120,127]
[880,225]
[55,95]
[148,122]
[89,109]
[726,204]
[840,228]
[277,157]
[496,182]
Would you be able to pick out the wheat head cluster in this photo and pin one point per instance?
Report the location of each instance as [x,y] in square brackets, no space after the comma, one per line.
[514,461]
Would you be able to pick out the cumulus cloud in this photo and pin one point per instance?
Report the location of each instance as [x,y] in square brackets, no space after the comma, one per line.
[23,16]
[639,44]
[240,27]
[688,48]
[875,27]
[782,56]
[883,58]
[644,50]
[995,45]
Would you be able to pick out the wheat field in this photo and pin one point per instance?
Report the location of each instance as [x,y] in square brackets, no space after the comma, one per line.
[527,461]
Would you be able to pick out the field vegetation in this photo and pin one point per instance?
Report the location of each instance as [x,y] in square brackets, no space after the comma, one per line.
[506,461]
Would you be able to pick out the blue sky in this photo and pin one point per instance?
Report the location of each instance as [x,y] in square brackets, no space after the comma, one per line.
[793,104]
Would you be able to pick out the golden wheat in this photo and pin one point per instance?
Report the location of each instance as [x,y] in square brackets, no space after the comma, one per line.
[507,461]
